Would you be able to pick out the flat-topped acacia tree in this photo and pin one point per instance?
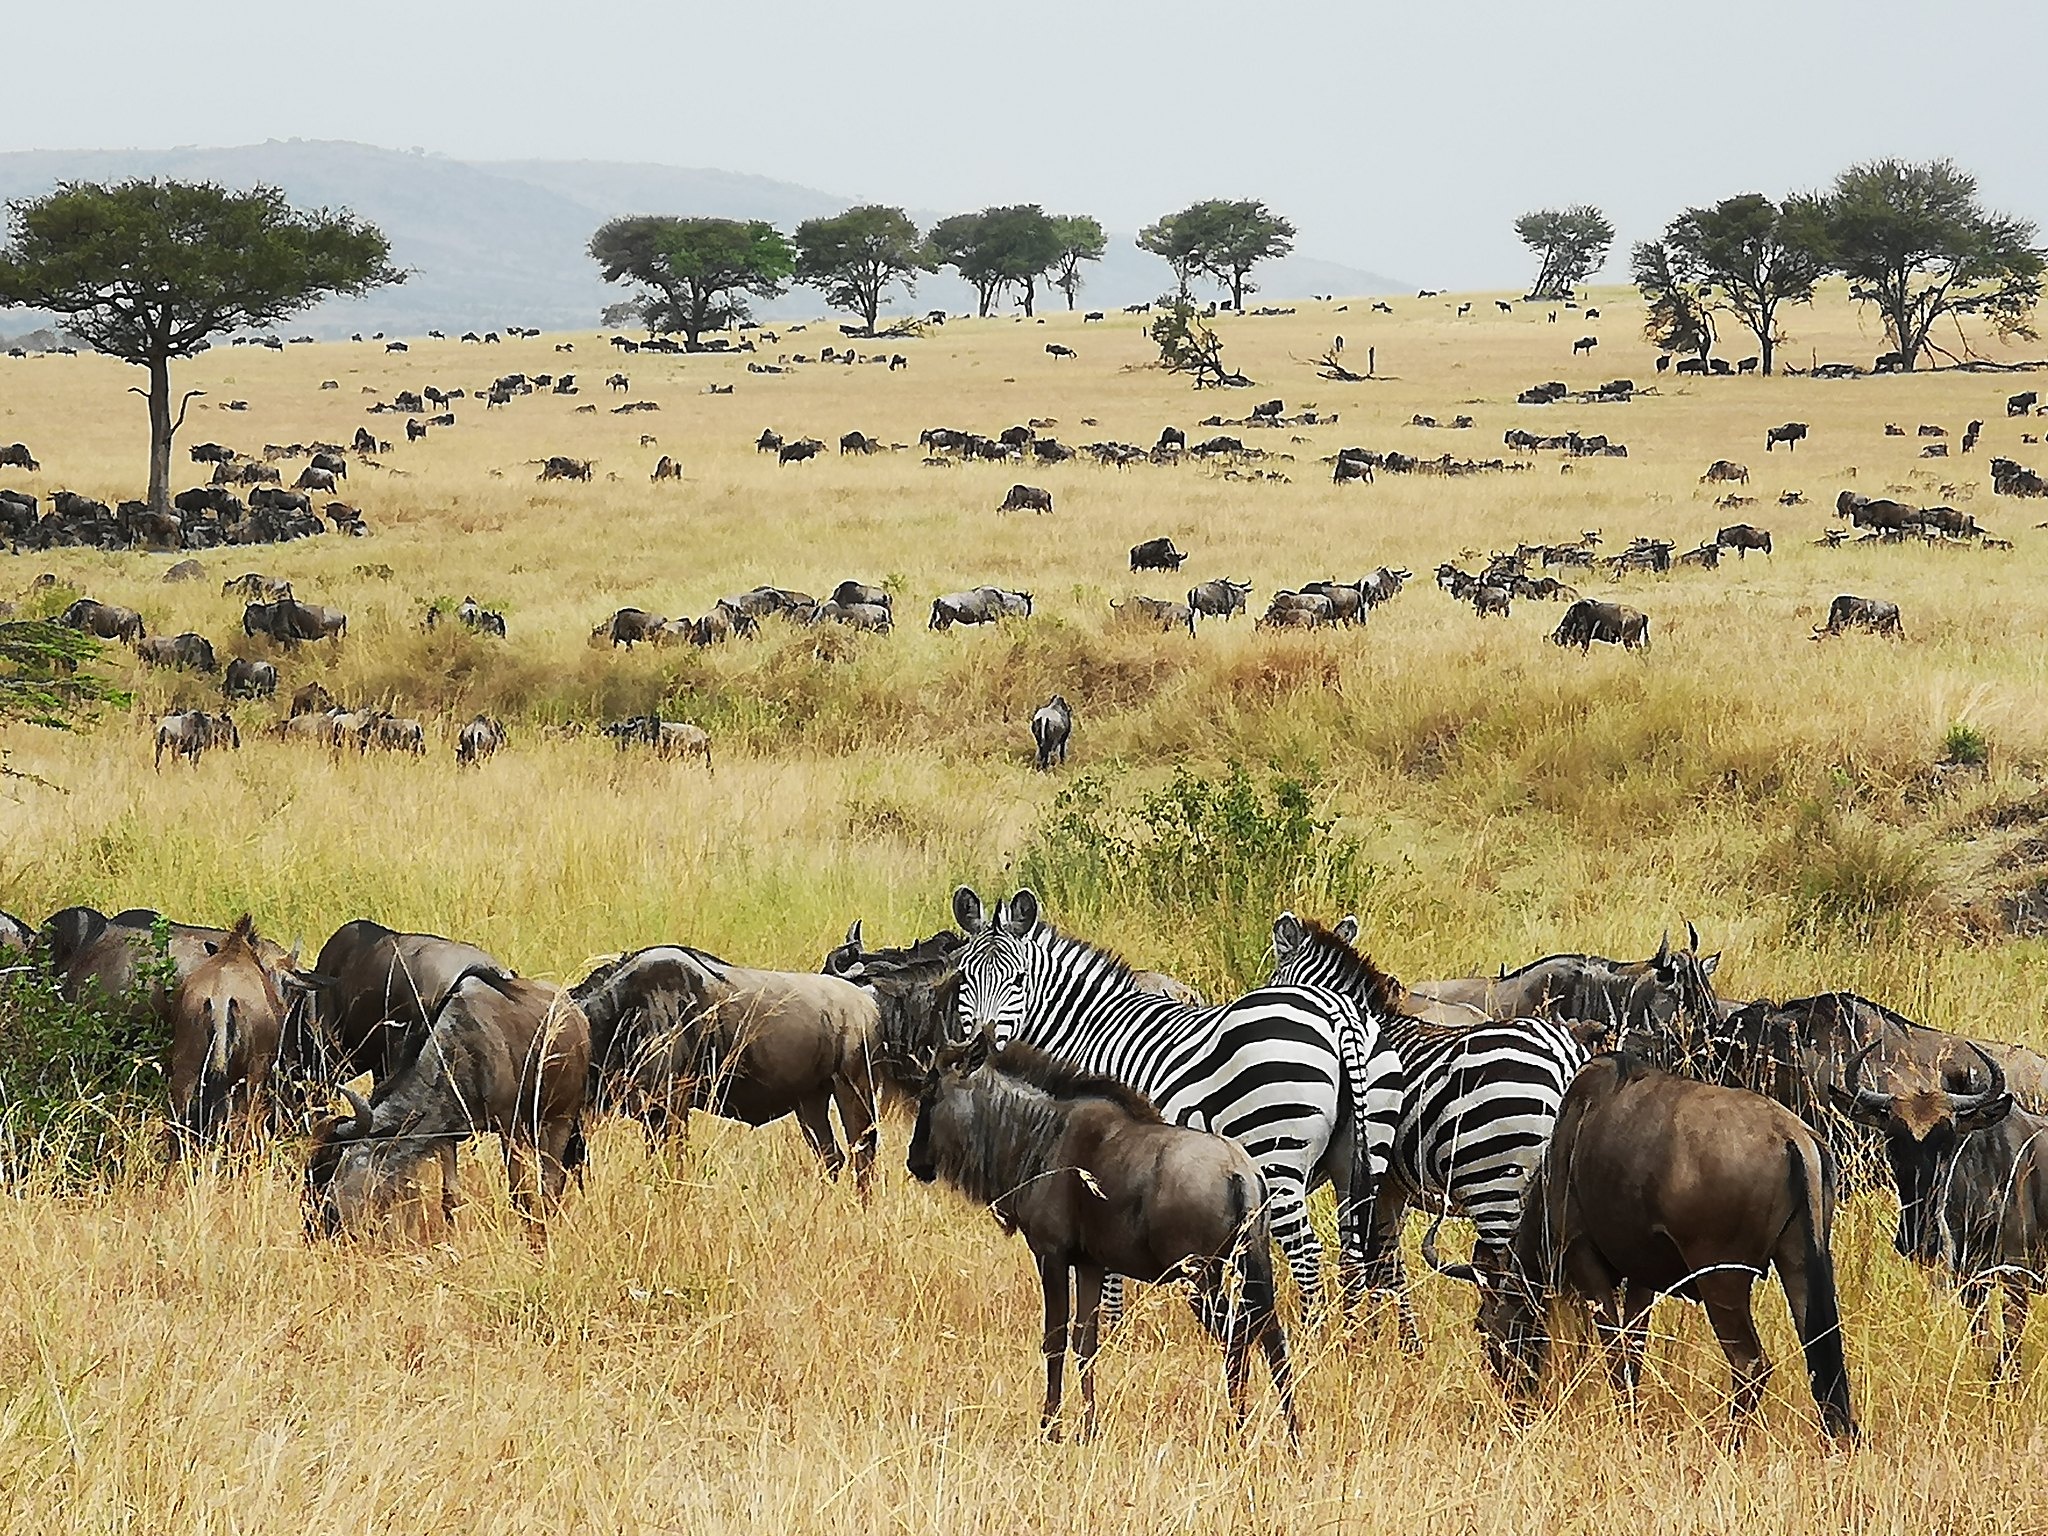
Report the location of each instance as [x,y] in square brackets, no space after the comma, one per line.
[150,271]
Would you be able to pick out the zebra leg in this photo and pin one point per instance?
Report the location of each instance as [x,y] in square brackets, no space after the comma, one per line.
[1382,1272]
[1112,1301]
[1287,1200]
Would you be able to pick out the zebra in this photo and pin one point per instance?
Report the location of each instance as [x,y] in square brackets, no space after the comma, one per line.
[1479,1100]
[1294,1075]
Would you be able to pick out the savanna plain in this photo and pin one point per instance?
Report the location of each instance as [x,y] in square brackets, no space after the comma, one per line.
[713,1337]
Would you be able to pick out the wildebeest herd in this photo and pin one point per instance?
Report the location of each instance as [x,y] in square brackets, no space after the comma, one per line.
[1614,1130]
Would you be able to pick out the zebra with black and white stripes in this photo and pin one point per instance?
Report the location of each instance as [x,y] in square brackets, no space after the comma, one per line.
[1479,1100]
[1294,1075]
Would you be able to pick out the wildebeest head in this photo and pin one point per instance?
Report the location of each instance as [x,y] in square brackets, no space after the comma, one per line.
[344,1181]
[1514,1298]
[1923,1129]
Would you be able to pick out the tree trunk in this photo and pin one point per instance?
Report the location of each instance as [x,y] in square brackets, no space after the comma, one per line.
[1763,335]
[1769,351]
[1030,297]
[1069,287]
[159,434]
[871,306]
[1237,292]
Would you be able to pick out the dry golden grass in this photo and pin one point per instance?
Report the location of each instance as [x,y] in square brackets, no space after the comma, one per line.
[721,1342]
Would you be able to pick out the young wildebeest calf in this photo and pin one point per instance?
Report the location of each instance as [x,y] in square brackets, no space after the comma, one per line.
[1721,1184]
[501,1054]
[1050,728]
[1099,1185]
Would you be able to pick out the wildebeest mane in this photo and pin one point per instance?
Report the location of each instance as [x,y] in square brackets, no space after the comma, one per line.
[1028,1064]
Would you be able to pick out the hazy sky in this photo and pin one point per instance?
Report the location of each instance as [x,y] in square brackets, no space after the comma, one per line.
[1399,138]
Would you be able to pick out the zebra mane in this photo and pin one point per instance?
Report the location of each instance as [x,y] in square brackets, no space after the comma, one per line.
[1384,995]
[1057,1080]
[1106,963]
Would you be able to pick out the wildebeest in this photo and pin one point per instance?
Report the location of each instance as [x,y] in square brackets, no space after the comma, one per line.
[982,605]
[1156,555]
[479,741]
[674,1028]
[311,479]
[1054,349]
[1791,434]
[1742,538]
[377,990]
[1219,598]
[499,1054]
[1171,438]
[848,593]
[311,699]
[17,456]
[667,468]
[856,442]
[249,679]
[559,467]
[627,627]
[117,963]
[192,733]
[1972,1176]
[668,738]
[798,452]
[1720,1184]
[1585,344]
[1163,612]
[1051,725]
[1100,1185]
[227,1020]
[105,620]
[289,621]
[1026,498]
[1588,620]
[188,652]
[2019,405]
[1869,613]
[1723,470]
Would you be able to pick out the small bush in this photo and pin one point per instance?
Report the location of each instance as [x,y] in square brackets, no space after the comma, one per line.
[1847,876]
[80,1086]
[1965,743]
[1228,854]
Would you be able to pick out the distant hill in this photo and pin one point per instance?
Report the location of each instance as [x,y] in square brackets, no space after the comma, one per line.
[493,243]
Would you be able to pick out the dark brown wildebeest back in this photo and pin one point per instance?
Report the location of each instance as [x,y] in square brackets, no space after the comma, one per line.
[1051,728]
[378,990]
[15,937]
[1742,538]
[500,1055]
[1722,1184]
[674,1028]
[1847,612]
[1026,498]
[1156,555]
[1588,620]
[1656,994]
[1100,1185]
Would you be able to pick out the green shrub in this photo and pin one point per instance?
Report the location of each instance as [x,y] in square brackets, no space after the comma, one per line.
[1964,743]
[1847,876]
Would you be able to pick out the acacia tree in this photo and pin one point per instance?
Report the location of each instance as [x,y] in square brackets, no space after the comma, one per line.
[1221,239]
[998,248]
[855,257]
[1080,239]
[1745,256]
[149,271]
[1571,242]
[1175,241]
[699,273]
[1186,345]
[1680,317]
[957,242]
[1916,241]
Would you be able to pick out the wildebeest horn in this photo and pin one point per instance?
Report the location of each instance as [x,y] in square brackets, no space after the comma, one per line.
[853,934]
[360,1126]
[1965,1106]
[1876,1105]
[1469,1273]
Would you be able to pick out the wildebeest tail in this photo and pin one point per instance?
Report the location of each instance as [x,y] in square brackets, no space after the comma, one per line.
[1821,1338]
[1258,1292]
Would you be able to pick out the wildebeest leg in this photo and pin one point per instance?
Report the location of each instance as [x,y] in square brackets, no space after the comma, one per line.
[1381,1275]
[1052,1280]
[814,1114]
[1087,1333]
[451,1182]
[2012,1291]
[1297,1239]
[1725,1294]
[1623,1317]
[858,1116]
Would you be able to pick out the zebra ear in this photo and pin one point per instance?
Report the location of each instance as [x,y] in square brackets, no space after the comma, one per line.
[1287,935]
[1347,928]
[1023,913]
[967,914]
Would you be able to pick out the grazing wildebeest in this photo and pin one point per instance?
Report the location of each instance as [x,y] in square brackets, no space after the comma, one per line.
[249,679]
[1219,598]
[675,1029]
[798,452]
[1725,469]
[856,442]
[1171,438]
[289,621]
[2019,405]
[501,1055]
[1972,1176]
[1051,725]
[627,627]
[17,456]
[668,738]
[1026,498]
[559,467]
[982,605]
[1156,555]
[1054,349]
[1742,538]
[1163,612]
[666,468]
[479,741]
[227,1019]
[187,652]
[191,734]
[1588,620]
[1099,1184]
[849,593]
[1792,434]
[105,620]
[311,479]
[1870,613]
[1721,1184]
[311,699]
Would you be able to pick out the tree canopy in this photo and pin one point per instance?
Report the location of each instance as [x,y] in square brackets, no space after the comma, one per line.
[698,273]
[1220,239]
[1080,239]
[1187,345]
[1917,242]
[150,271]
[997,249]
[1744,256]
[1570,242]
[855,257]
[1680,316]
